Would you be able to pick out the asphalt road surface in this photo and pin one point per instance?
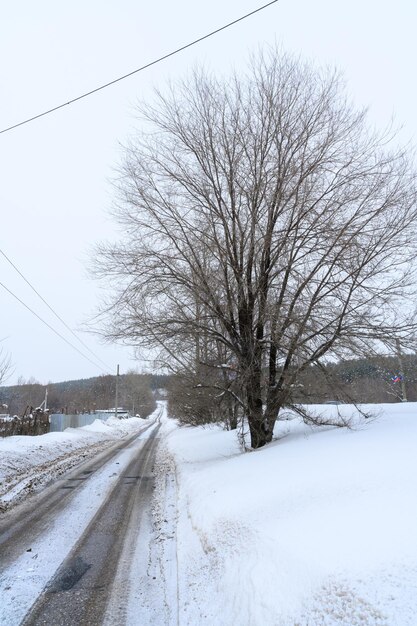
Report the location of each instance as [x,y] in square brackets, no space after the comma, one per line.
[83,586]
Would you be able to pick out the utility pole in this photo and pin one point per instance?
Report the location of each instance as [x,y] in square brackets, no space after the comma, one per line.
[117,391]
[44,403]
[401,373]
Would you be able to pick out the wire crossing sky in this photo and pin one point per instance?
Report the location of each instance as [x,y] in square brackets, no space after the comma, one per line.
[139,69]
[51,327]
[56,193]
[63,322]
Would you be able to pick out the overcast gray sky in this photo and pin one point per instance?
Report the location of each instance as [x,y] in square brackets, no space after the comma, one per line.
[55,172]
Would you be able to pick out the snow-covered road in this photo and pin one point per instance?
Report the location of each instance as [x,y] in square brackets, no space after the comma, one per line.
[316,529]
[70,537]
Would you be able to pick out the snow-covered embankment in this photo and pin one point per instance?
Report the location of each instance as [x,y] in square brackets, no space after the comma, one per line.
[318,528]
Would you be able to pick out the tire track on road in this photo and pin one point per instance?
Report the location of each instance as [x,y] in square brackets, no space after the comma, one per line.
[78,593]
[20,527]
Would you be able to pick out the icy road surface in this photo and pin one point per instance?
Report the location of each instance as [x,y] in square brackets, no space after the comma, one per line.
[66,555]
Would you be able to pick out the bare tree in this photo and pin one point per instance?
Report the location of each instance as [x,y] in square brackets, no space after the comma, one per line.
[5,367]
[260,214]
[136,394]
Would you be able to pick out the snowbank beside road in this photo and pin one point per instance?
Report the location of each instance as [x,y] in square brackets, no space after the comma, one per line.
[318,528]
[27,463]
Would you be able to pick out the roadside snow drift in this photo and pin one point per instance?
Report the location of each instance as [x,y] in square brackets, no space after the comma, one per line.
[28,463]
[318,528]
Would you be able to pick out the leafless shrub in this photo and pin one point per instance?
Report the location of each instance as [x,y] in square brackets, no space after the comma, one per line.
[5,367]
[36,423]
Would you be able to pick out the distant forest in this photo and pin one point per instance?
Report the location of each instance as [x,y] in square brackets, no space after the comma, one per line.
[136,394]
[376,379]
[373,380]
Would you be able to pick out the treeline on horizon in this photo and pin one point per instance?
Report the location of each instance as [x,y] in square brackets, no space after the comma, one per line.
[371,380]
[136,394]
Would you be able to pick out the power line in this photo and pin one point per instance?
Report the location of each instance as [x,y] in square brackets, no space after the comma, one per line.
[51,328]
[52,310]
[139,69]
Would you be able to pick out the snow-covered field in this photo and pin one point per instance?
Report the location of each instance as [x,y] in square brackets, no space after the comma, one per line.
[317,529]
